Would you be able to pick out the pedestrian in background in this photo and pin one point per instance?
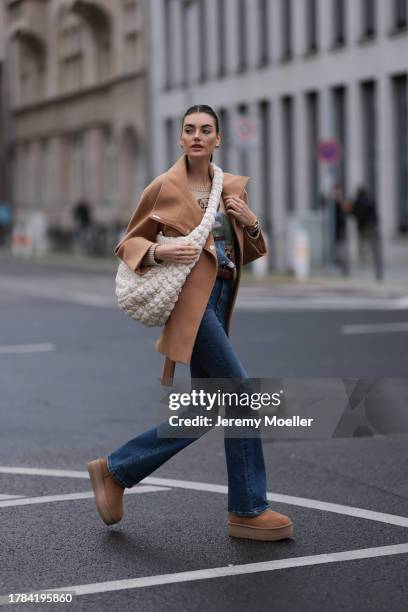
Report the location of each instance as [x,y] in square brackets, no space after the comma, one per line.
[82,214]
[341,210]
[197,332]
[365,212]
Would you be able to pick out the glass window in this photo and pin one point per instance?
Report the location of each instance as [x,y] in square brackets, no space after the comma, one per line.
[170,141]
[203,34]
[221,37]
[311,25]
[225,137]
[401,149]
[266,161]
[288,152]
[400,13]
[369,127]
[168,44]
[339,117]
[368,17]
[242,35]
[339,22]
[263,31]
[286,32]
[312,102]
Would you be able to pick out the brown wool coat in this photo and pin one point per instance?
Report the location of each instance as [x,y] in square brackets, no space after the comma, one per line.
[168,205]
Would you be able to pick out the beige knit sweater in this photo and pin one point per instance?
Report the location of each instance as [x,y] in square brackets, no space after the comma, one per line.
[201,194]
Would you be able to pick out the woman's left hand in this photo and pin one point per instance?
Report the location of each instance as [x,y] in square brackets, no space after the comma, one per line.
[239,209]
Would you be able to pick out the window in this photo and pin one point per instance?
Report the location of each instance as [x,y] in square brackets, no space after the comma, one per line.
[400,90]
[168,44]
[263,31]
[368,18]
[312,109]
[288,153]
[71,44]
[14,9]
[185,42]
[221,37]
[31,178]
[339,116]
[131,15]
[78,166]
[203,34]
[170,140]
[225,137]
[133,45]
[369,127]
[266,161]
[311,26]
[133,58]
[109,167]
[400,14]
[103,53]
[242,36]
[32,72]
[339,23]
[243,152]
[286,16]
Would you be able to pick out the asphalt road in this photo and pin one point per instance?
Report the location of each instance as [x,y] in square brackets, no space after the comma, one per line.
[78,379]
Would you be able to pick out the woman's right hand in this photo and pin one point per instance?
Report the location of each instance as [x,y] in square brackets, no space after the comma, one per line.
[177,253]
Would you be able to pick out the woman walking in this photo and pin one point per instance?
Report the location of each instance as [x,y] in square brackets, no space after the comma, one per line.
[197,332]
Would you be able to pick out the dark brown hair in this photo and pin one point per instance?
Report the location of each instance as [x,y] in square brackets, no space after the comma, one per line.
[203,108]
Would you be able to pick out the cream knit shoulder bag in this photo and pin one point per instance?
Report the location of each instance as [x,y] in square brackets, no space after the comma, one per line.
[149,298]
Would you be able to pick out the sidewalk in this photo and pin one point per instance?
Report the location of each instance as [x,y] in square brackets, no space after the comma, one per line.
[361,280]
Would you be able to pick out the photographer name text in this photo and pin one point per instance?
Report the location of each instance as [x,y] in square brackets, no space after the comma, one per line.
[256,422]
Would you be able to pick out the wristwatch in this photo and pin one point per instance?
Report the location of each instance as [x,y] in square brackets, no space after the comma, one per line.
[253,230]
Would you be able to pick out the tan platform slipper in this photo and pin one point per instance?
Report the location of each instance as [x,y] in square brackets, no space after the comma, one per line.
[268,525]
[108,493]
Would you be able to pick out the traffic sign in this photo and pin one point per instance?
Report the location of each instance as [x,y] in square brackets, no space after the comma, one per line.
[329,151]
[244,132]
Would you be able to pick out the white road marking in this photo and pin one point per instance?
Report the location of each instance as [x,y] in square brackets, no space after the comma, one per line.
[41,291]
[304,502]
[226,571]
[254,304]
[391,519]
[5,496]
[28,501]
[401,302]
[40,347]
[375,328]
[251,299]
[44,472]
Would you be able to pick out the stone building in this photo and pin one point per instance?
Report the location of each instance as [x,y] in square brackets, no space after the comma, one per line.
[291,72]
[77,106]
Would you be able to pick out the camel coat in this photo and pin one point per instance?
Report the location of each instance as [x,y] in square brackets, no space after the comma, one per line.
[168,205]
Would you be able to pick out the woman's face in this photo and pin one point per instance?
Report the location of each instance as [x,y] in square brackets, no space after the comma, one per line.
[199,135]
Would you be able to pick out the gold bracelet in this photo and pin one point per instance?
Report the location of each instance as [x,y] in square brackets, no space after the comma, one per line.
[159,261]
[253,229]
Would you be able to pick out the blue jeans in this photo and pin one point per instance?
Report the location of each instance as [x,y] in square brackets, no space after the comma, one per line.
[212,357]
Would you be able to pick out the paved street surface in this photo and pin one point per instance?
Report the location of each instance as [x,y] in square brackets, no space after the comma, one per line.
[78,378]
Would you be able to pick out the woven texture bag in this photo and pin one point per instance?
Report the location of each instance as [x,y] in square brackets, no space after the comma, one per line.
[149,298]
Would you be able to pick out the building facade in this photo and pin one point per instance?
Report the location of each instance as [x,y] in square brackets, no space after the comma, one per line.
[284,75]
[76,72]
[3,190]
